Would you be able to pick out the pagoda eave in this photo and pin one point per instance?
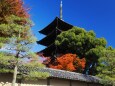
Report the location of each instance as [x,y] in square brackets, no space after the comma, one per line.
[49,50]
[48,40]
[49,27]
[60,24]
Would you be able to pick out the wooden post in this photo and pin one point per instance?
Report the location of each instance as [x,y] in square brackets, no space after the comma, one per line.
[70,83]
[48,81]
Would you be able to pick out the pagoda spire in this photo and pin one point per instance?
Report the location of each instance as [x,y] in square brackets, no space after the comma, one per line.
[61,10]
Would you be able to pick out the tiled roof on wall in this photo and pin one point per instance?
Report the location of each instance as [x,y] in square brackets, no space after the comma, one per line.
[59,74]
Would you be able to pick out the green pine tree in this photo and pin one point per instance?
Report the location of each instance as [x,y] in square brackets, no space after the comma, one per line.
[106,67]
[16,41]
[84,44]
[19,46]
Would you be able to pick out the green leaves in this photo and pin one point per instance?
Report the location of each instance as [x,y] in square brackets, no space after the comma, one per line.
[17,38]
[34,64]
[78,40]
[3,41]
[94,53]
[13,27]
[81,42]
[35,75]
[6,58]
[106,67]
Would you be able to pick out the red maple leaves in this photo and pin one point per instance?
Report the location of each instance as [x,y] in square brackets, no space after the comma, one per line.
[14,7]
[69,62]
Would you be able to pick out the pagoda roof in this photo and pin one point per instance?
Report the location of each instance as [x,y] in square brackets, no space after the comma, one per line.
[48,40]
[57,22]
[49,50]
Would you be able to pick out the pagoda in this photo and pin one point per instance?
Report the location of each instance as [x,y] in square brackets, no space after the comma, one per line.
[52,31]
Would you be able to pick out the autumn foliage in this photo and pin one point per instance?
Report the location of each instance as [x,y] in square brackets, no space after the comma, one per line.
[14,7]
[69,62]
[13,14]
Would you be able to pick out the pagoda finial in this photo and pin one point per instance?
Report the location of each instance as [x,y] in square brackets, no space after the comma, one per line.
[61,10]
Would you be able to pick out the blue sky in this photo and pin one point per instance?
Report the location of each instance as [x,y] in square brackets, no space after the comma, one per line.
[96,15]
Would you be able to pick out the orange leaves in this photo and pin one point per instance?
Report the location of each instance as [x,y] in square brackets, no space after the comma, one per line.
[66,59]
[66,62]
[12,7]
[69,62]
[70,67]
[14,15]
[16,8]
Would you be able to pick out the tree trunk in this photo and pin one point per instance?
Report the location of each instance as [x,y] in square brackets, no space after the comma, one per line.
[14,76]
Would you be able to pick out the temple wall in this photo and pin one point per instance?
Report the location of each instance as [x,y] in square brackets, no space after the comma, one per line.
[6,79]
[59,82]
[39,82]
[74,83]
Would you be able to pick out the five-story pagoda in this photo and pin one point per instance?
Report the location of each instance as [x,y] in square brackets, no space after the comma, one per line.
[51,32]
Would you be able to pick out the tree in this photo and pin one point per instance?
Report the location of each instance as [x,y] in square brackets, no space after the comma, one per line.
[69,62]
[8,8]
[12,7]
[18,47]
[106,67]
[83,43]
[16,39]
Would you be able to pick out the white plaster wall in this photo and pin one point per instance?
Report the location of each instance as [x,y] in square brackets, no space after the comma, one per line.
[31,85]
[76,83]
[6,80]
[94,85]
[39,82]
[59,82]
